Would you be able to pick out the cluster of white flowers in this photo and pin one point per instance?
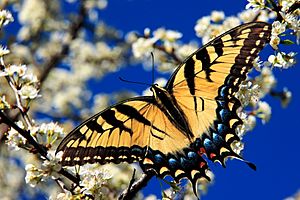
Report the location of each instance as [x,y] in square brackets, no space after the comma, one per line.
[33,175]
[23,83]
[47,133]
[290,20]
[164,44]
[248,93]
[208,27]
[249,122]
[263,111]
[282,60]
[14,139]
[145,44]
[93,179]
[266,81]
[49,169]
[277,29]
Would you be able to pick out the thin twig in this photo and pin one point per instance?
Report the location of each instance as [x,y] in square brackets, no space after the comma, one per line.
[172,54]
[131,181]
[137,186]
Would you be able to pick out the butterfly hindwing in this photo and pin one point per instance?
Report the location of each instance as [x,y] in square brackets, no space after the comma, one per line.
[205,84]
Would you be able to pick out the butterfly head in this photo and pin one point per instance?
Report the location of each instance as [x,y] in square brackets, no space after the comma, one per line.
[159,93]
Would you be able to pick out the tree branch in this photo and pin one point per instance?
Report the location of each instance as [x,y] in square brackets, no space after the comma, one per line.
[137,186]
[74,30]
[39,148]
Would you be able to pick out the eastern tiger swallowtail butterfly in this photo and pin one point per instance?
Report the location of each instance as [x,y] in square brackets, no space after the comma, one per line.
[195,114]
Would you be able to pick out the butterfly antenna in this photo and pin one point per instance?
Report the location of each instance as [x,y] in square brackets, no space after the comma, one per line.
[135,82]
[152,56]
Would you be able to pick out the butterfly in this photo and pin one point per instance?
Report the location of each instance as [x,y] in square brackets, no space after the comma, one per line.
[189,121]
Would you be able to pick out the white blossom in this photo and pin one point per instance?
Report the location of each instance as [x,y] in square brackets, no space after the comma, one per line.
[29,79]
[249,122]
[10,70]
[286,4]
[237,147]
[93,179]
[247,15]
[257,63]
[28,92]
[185,50]
[32,13]
[282,60]
[14,138]
[168,35]
[143,46]
[66,195]
[202,26]
[275,41]
[51,166]
[248,93]
[266,81]
[48,132]
[278,28]
[217,16]
[264,111]
[5,17]
[3,51]
[255,4]
[287,96]
[33,175]
[293,23]
[230,22]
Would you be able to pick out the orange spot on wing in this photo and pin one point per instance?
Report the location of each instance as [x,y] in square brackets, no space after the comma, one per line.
[212,155]
[202,164]
[201,151]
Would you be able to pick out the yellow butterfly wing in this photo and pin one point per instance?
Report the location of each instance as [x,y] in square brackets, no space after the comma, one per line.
[133,130]
[204,86]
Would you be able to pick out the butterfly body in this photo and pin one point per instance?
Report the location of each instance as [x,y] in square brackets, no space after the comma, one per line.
[167,103]
[194,115]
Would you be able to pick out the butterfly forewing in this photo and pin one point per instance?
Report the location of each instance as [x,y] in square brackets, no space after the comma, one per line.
[124,132]
[205,84]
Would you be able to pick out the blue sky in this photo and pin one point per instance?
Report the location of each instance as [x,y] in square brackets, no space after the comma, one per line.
[273,147]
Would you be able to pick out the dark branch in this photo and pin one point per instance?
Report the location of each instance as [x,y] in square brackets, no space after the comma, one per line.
[137,186]
[26,134]
[39,148]
[56,58]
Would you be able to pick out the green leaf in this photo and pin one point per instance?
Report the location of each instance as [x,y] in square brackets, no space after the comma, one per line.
[287,42]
